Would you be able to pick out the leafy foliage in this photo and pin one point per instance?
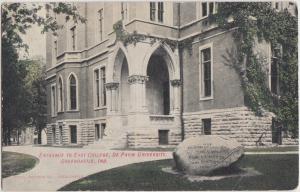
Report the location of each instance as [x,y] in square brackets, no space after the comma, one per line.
[23,85]
[16,18]
[258,20]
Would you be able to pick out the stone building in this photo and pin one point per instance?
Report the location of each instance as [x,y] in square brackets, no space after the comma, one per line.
[148,93]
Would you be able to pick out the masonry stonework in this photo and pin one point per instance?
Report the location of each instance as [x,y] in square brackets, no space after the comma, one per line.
[238,123]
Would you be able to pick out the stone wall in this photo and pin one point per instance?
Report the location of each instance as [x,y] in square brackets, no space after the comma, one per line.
[238,123]
[85,132]
[144,138]
[87,129]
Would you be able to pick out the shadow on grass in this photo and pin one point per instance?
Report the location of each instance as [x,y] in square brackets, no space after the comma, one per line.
[278,172]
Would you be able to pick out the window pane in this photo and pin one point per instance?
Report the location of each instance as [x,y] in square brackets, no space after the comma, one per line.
[204,9]
[73,102]
[53,100]
[73,97]
[73,35]
[160,11]
[72,80]
[103,90]
[97,88]
[73,133]
[206,126]
[152,11]
[206,54]
[211,8]
[206,72]
[60,95]
[163,137]
[100,24]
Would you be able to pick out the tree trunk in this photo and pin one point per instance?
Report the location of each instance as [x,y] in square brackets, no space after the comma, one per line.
[8,136]
[39,135]
[18,139]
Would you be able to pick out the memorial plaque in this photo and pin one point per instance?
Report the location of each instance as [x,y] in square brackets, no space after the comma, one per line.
[203,154]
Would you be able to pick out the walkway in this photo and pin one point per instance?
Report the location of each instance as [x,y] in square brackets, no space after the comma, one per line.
[60,166]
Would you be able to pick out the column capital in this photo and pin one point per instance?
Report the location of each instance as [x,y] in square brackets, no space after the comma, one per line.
[176,82]
[112,85]
[137,79]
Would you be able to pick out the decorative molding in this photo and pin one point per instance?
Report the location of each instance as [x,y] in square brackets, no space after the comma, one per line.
[112,85]
[176,82]
[137,79]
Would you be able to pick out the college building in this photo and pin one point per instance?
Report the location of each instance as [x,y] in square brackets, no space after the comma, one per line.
[148,92]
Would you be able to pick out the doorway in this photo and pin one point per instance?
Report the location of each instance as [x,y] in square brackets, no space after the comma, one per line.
[158,86]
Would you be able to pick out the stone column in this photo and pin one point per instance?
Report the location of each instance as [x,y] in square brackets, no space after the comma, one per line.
[112,90]
[176,84]
[138,114]
[138,93]
[113,120]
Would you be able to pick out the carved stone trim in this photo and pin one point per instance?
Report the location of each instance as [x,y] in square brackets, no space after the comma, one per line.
[137,79]
[176,82]
[112,85]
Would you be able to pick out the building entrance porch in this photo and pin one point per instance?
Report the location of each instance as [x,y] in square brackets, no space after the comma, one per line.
[143,91]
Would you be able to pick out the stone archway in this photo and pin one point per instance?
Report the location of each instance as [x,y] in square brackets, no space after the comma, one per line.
[158,86]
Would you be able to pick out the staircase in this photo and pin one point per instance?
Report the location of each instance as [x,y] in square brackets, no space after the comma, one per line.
[110,142]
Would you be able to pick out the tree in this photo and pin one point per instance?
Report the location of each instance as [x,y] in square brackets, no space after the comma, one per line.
[13,92]
[17,106]
[258,20]
[35,85]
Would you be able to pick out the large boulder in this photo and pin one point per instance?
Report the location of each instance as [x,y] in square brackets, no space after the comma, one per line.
[204,154]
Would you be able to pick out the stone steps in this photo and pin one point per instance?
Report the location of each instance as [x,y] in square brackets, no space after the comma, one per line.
[110,142]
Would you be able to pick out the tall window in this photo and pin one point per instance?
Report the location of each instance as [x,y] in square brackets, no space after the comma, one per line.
[152,11]
[159,11]
[100,24]
[73,92]
[73,38]
[60,95]
[53,100]
[124,10]
[103,90]
[204,9]
[276,55]
[97,87]
[206,72]
[208,8]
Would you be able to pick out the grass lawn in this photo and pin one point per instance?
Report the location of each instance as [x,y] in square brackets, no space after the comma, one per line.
[278,172]
[272,149]
[16,163]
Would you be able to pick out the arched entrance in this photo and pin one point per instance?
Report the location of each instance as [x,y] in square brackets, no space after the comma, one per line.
[158,84]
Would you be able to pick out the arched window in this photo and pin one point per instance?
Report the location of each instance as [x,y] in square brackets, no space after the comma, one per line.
[72,92]
[60,95]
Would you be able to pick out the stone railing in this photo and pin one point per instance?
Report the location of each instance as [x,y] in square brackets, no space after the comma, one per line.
[161,119]
[73,56]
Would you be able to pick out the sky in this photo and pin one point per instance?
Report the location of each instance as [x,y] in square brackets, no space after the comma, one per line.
[35,40]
